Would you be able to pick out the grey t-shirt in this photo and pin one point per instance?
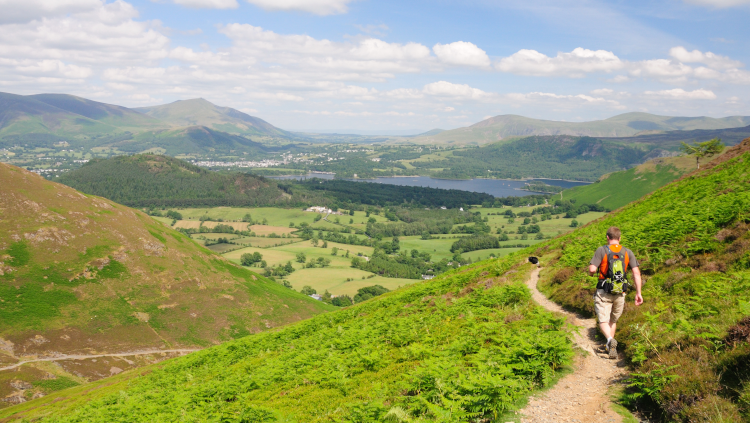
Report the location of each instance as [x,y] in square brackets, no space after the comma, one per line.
[601,252]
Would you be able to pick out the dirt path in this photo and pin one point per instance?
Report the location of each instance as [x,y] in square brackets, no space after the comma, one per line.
[581,396]
[85,357]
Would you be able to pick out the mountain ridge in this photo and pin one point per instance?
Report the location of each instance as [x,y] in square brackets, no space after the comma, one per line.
[625,125]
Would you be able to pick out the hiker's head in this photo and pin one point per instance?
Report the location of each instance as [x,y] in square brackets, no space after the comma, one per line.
[613,233]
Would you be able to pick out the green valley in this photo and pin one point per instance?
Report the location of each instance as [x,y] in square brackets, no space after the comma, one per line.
[469,344]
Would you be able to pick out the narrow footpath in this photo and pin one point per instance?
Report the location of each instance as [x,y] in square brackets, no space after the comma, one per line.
[86,357]
[582,396]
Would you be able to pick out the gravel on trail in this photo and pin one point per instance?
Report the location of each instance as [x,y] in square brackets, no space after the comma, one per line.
[582,396]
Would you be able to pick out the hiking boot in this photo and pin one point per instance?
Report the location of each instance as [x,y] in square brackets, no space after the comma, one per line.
[612,348]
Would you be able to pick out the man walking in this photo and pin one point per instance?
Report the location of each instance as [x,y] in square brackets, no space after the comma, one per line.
[611,262]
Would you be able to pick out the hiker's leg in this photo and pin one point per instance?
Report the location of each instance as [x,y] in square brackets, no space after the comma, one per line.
[606,330]
[612,328]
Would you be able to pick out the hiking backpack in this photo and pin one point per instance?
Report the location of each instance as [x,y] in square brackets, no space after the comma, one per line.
[612,270]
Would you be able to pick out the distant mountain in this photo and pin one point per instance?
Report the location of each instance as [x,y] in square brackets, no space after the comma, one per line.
[672,139]
[51,114]
[430,133]
[624,125]
[200,112]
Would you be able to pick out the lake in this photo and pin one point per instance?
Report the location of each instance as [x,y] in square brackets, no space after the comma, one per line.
[495,187]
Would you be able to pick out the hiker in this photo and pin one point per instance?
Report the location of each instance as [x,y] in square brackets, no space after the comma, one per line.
[611,262]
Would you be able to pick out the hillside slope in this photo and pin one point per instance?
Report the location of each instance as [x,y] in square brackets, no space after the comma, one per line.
[689,343]
[624,125]
[152,180]
[617,189]
[200,112]
[83,275]
[467,344]
[559,157]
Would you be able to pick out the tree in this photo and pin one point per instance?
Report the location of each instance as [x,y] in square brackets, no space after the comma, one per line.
[703,149]
[364,294]
[247,218]
[337,220]
[325,244]
[503,237]
[342,301]
[301,258]
[249,259]
[318,217]
[308,290]
[334,251]
[174,215]
[351,221]
[351,212]
[574,224]
[315,242]
[288,267]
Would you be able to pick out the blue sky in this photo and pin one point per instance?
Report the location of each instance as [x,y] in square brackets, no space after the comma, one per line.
[386,66]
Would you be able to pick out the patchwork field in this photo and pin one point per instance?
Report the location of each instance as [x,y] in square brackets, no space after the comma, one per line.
[279,251]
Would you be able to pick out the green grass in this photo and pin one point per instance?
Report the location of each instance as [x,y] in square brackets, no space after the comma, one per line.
[693,242]
[449,347]
[335,280]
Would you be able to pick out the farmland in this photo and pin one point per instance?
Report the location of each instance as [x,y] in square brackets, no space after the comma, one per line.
[279,243]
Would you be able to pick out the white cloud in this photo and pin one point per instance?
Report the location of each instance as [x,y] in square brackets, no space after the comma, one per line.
[602,91]
[577,63]
[14,11]
[719,3]
[680,94]
[208,4]
[461,53]
[713,61]
[460,91]
[563,100]
[317,7]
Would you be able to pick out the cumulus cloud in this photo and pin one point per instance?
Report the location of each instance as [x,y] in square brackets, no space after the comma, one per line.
[577,63]
[317,7]
[14,11]
[461,53]
[459,91]
[712,60]
[680,94]
[563,100]
[208,4]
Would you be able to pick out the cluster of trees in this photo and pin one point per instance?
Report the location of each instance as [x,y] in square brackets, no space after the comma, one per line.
[387,195]
[249,259]
[363,294]
[147,180]
[404,265]
[475,242]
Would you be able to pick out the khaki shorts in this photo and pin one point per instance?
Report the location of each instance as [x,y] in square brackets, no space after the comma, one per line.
[608,307]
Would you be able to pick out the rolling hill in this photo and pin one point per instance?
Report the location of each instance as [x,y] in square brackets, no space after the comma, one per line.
[469,344]
[182,127]
[81,275]
[625,125]
[617,189]
[200,112]
[152,180]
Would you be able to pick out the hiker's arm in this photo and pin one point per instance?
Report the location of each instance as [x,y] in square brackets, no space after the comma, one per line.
[638,284]
[592,270]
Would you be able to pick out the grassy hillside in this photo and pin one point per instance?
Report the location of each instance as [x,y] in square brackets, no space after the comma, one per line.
[617,189]
[200,112]
[624,125]
[467,345]
[147,180]
[688,344]
[83,275]
[563,157]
